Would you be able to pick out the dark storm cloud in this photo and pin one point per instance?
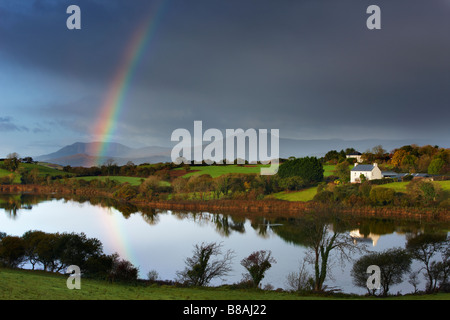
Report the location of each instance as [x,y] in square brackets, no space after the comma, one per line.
[310,68]
[7,125]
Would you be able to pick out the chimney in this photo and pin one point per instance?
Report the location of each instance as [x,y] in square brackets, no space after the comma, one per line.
[375,164]
[356,163]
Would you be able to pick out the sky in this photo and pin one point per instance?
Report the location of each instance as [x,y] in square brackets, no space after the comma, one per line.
[310,68]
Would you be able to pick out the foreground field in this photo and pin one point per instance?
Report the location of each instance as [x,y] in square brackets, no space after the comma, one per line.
[39,285]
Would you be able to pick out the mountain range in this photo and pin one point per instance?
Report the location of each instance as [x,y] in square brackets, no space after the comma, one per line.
[80,154]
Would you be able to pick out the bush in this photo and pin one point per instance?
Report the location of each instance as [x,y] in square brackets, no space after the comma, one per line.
[123,271]
[292,183]
[324,197]
[257,264]
[126,192]
[310,169]
[99,267]
[382,196]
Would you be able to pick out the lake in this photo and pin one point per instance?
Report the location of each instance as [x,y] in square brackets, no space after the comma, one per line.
[161,240]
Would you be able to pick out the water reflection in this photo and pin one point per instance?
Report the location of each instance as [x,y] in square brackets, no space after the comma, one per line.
[292,230]
[160,239]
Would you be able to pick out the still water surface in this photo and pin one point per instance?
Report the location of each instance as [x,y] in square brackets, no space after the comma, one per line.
[162,240]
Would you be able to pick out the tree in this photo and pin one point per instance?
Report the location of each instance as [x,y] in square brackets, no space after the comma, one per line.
[382,196]
[331,156]
[257,264]
[47,251]
[201,269]
[397,158]
[423,191]
[100,266]
[310,169]
[123,270]
[12,162]
[150,186]
[126,192]
[393,264]
[28,160]
[111,166]
[323,239]
[12,251]
[31,240]
[77,249]
[424,248]
[436,166]
[378,151]
[342,170]
[300,281]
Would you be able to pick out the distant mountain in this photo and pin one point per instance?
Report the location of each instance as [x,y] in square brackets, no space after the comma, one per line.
[82,154]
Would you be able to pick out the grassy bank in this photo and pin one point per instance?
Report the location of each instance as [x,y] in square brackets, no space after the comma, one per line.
[40,285]
[401,186]
[302,195]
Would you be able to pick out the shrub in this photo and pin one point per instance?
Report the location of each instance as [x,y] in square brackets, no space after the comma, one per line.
[324,197]
[257,264]
[124,271]
[126,192]
[310,169]
[382,196]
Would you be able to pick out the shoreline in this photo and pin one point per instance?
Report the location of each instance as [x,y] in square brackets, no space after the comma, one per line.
[283,207]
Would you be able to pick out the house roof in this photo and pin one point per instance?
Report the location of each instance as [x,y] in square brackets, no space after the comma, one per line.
[389,173]
[363,167]
[354,153]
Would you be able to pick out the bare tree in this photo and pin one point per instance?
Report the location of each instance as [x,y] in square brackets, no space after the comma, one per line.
[201,268]
[425,248]
[323,238]
[300,281]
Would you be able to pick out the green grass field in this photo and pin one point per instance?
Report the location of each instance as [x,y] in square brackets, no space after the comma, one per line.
[218,170]
[302,195]
[134,181]
[396,186]
[401,186]
[445,185]
[5,173]
[38,285]
[328,170]
[43,169]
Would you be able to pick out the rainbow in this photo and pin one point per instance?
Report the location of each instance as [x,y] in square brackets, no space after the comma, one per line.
[113,103]
[112,222]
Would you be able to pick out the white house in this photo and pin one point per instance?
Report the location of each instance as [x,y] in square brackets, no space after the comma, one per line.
[355,155]
[370,171]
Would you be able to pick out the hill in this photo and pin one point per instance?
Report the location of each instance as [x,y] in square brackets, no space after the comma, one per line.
[82,154]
